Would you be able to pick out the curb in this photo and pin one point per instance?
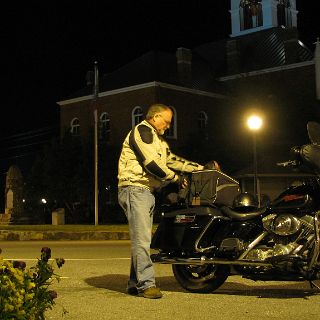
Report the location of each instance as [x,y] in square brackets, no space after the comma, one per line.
[8,235]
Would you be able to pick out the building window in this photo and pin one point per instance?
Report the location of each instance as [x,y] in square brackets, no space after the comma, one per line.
[137,116]
[104,126]
[250,14]
[284,13]
[202,120]
[75,127]
[172,131]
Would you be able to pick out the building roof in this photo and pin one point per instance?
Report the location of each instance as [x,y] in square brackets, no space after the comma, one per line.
[156,66]
[255,51]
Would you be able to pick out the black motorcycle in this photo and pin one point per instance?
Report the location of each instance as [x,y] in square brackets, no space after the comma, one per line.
[217,231]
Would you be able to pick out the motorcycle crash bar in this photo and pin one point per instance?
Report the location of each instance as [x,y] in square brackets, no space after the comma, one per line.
[158,258]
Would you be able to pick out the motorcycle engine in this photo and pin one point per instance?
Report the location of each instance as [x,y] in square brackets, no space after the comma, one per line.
[288,235]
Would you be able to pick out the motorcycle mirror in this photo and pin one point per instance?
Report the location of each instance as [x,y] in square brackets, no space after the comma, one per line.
[314,131]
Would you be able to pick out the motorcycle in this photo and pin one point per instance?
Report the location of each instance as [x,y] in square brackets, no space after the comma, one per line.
[219,231]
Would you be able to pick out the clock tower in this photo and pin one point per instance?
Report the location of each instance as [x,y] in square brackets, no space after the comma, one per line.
[248,16]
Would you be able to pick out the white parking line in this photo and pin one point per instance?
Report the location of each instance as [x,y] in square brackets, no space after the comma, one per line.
[71,259]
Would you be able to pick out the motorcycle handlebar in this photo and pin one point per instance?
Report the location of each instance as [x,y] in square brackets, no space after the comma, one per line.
[290,163]
[296,153]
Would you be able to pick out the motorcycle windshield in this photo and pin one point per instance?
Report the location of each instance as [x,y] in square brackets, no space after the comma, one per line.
[314,132]
[311,154]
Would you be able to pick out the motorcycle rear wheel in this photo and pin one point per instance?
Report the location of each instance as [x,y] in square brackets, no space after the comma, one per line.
[200,279]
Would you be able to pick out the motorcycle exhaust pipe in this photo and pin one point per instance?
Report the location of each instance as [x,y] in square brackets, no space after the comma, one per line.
[204,260]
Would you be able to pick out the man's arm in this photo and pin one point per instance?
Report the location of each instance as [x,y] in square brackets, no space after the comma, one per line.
[141,141]
[180,164]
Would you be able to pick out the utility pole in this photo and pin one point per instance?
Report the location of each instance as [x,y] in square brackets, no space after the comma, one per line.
[317,68]
[254,123]
[95,114]
[255,168]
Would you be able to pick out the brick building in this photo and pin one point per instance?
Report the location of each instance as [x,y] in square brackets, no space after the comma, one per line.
[183,81]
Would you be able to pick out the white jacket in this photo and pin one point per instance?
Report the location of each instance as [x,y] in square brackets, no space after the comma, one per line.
[147,161]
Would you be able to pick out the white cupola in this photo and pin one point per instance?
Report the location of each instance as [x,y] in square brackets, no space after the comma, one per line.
[248,16]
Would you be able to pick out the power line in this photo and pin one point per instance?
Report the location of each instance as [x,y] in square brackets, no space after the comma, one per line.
[19,156]
[29,144]
[26,137]
[31,133]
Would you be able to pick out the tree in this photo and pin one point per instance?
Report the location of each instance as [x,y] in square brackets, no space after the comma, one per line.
[63,176]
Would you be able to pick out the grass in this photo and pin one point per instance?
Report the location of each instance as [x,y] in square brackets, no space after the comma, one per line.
[68,227]
[65,227]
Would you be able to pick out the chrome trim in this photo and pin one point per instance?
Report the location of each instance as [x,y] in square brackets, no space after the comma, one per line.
[204,260]
[253,244]
[204,231]
[316,250]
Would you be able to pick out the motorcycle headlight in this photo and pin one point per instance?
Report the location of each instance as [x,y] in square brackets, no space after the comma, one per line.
[282,225]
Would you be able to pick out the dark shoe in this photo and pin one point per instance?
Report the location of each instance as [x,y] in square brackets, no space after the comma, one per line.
[132,291]
[151,293]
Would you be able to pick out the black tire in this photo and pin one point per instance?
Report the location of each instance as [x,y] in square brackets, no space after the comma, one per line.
[200,278]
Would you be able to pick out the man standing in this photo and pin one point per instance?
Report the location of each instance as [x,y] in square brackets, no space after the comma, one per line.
[146,164]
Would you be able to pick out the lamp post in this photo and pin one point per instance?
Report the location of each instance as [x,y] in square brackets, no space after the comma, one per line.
[254,123]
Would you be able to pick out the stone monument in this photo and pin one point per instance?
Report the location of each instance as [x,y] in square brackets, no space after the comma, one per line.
[13,196]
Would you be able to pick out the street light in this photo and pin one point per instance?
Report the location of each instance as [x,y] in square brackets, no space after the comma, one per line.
[254,123]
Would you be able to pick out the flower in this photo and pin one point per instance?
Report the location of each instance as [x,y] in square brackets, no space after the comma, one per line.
[60,262]
[53,294]
[45,254]
[24,292]
[19,264]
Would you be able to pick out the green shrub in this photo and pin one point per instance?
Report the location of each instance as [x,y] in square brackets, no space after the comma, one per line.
[25,293]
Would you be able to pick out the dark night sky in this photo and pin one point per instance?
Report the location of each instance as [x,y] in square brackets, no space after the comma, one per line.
[48,46]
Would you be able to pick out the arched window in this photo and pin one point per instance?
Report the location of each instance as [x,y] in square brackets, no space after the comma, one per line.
[137,116]
[105,126]
[172,131]
[202,120]
[250,14]
[75,127]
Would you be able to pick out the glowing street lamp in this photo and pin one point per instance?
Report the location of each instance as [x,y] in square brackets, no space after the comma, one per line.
[254,123]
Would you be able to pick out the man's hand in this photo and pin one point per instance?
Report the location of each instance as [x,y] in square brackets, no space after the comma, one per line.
[184,183]
[212,165]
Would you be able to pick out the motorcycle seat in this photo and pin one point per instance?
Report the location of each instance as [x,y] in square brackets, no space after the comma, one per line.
[196,210]
[242,216]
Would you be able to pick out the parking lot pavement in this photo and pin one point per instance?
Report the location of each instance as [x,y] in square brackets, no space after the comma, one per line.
[95,274]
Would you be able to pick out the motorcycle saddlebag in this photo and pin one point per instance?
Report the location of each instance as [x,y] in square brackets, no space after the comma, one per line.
[212,187]
[181,229]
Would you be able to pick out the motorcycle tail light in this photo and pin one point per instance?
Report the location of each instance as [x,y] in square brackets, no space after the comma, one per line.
[182,218]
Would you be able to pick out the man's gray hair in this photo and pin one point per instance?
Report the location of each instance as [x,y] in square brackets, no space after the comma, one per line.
[156,108]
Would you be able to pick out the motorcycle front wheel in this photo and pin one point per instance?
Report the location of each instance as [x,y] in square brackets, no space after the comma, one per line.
[200,279]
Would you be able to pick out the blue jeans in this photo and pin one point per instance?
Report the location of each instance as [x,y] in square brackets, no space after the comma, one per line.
[138,204]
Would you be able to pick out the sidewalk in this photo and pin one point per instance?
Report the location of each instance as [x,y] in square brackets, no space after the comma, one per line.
[63,232]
